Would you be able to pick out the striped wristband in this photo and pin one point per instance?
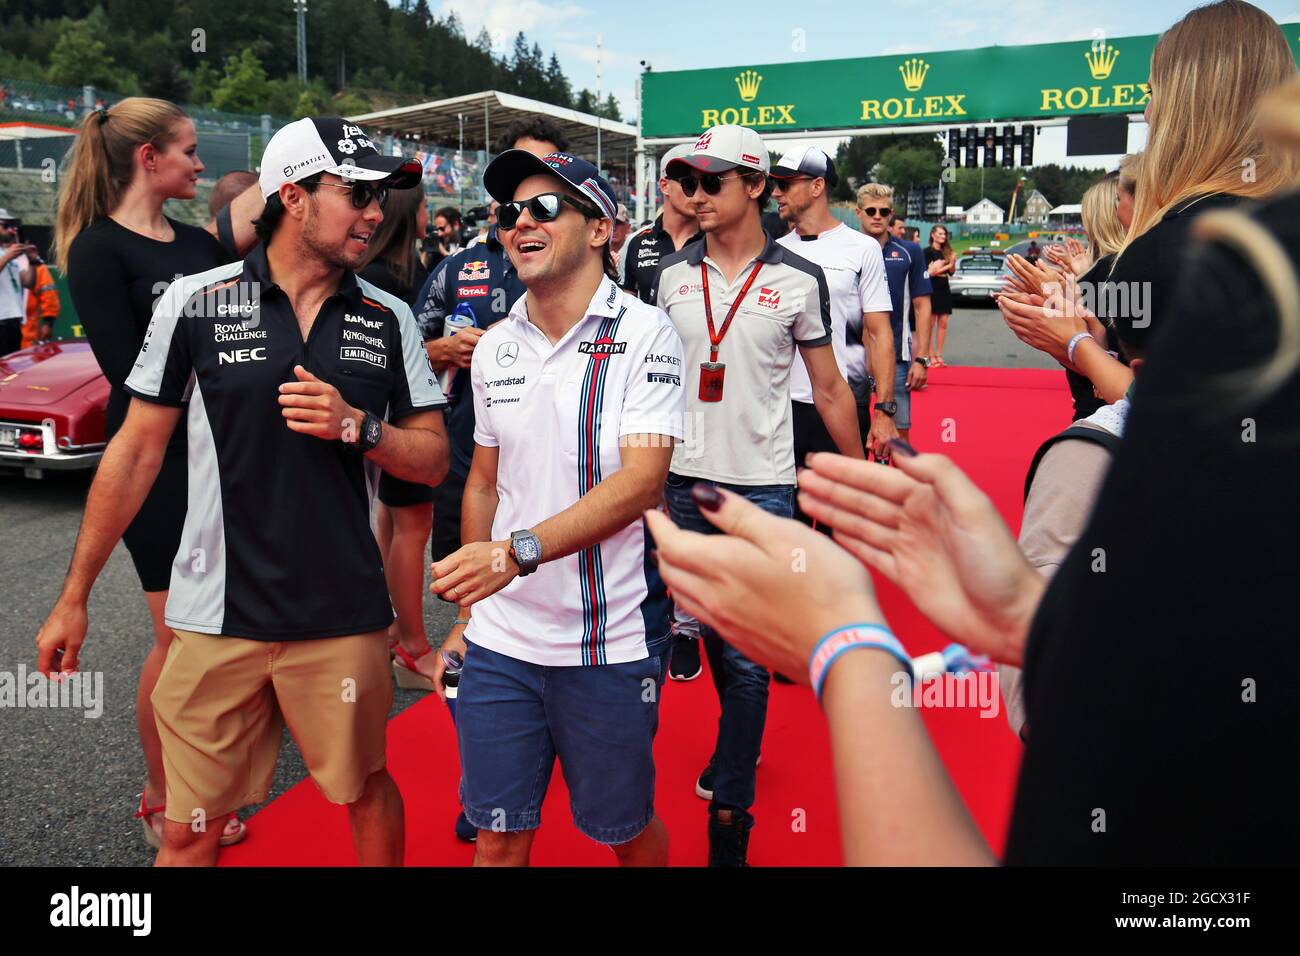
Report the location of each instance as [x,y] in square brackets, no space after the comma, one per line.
[836,642]
[1074,342]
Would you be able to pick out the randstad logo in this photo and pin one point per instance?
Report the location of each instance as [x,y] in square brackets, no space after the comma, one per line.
[747,84]
[913,72]
[1100,58]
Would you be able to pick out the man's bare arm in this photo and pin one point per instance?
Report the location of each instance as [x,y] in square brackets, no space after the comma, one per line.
[880,349]
[244,208]
[414,449]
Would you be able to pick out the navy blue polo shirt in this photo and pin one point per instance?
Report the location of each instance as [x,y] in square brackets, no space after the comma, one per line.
[907,277]
[483,277]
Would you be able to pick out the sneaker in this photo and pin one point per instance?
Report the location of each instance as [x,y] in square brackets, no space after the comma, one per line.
[685,663]
[729,842]
[465,831]
[704,785]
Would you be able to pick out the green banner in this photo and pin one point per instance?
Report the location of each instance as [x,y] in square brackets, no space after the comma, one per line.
[951,88]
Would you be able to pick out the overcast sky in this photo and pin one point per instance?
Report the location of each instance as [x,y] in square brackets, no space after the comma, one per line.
[680,35]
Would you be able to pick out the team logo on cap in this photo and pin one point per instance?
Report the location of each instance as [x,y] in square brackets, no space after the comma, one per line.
[556,160]
[702,143]
[347,147]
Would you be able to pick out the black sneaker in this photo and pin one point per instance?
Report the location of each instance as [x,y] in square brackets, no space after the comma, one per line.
[466,831]
[729,842]
[685,663]
[704,785]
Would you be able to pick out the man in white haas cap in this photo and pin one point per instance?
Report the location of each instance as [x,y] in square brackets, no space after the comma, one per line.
[855,273]
[672,229]
[742,305]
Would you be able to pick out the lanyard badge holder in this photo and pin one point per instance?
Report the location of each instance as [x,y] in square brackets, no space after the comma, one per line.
[713,372]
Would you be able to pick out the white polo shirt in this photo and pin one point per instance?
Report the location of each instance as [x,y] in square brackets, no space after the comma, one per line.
[13,297]
[855,273]
[746,438]
[556,413]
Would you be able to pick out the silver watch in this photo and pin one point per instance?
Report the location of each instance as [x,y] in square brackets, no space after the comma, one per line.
[526,551]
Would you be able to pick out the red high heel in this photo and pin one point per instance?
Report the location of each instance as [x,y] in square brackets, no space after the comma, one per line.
[404,670]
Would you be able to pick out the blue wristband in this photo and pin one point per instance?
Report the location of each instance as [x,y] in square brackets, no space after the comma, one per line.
[847,638]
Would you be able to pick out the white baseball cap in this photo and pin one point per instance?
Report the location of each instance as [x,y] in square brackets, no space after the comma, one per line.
[726,147]
[680,151]
[330,144]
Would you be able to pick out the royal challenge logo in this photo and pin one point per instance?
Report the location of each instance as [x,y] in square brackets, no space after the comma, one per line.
[765,115]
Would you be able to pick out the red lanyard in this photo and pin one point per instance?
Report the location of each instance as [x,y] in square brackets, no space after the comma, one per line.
[715,338]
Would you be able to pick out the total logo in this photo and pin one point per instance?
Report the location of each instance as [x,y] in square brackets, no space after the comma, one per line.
[769,298]
[241,355]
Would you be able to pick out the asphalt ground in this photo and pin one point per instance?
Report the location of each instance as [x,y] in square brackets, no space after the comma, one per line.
[68,783]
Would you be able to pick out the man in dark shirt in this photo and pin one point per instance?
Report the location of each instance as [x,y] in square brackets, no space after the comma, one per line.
[673,228]
[286,362]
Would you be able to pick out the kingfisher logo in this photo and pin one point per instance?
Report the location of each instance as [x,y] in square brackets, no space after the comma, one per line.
[769,298]
[601,348]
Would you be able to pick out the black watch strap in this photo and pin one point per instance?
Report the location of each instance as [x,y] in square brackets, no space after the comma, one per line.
[369,434]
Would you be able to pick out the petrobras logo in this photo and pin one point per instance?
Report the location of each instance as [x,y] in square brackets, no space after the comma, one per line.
[360,320]
[241,355]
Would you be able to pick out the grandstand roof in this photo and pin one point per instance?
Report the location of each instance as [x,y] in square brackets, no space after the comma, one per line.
[486,114]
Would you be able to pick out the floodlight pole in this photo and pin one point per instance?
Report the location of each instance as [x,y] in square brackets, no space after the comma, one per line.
[300,8]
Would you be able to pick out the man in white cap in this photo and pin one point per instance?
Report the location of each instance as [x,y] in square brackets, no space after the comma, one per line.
[855,273]
[742,305]
[301,381]
[675,226]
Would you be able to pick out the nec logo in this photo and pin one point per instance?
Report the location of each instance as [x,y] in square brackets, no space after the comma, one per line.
[241,355]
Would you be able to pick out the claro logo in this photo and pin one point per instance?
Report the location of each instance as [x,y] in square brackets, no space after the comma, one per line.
[241,355]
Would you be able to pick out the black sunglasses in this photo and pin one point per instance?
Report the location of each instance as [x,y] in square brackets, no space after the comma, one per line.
[872,210]
[711,182]
[545,207]
[363,193]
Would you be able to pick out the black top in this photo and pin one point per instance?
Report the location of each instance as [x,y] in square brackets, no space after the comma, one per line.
[938,283]
[1159,691]
[116,276]
[1149,273]
[1085,400]
[641,255]
[378,273]
[482,277]
[279,521]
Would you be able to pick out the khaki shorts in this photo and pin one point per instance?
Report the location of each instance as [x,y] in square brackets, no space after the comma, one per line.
[221,703]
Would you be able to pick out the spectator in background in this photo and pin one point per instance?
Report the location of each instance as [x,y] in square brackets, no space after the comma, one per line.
[16,276]
[940,261]
[446,229]
[1033,253]
[898,228]
[622,229]
[488,224]
[537,134]
[42,305]
[404,517]
[228,187]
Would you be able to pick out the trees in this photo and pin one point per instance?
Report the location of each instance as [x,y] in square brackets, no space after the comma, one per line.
[244,87]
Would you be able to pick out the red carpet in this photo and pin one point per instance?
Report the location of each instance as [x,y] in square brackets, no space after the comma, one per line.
[990,421]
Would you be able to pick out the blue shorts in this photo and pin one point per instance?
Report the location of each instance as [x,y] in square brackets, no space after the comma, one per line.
[903,419]
[514,718]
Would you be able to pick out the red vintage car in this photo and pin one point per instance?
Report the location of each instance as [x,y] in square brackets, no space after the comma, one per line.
[52,402]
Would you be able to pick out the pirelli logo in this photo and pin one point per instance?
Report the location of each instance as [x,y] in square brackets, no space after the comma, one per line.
[353,353]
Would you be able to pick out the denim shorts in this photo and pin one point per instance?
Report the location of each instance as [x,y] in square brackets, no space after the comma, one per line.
[513,719]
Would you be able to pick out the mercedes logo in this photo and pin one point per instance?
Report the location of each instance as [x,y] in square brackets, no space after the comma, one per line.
[507,352]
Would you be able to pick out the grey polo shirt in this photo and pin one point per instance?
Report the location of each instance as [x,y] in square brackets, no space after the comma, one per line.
[747,437]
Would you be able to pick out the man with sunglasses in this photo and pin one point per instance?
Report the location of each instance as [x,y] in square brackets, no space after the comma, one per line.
[855,273]
[578,401]
[743,305]
[909,291]
[291,369]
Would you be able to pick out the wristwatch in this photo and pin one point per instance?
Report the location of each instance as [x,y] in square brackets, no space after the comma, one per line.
[526,551]
[887,408]
[368,435]
[921,361]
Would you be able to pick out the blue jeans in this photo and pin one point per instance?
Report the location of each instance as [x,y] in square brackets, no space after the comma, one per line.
[741,684]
